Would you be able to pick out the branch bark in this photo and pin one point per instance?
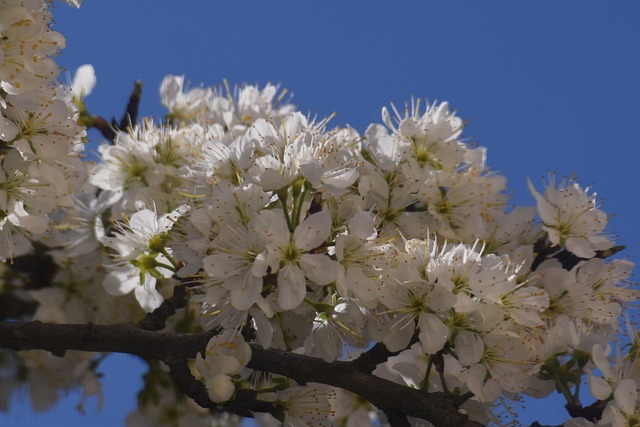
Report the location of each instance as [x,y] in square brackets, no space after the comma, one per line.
[157,319]
[130,115]
[173,349]
[437,408]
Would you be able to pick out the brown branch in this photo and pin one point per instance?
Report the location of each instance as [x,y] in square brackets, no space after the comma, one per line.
[173,349]
[397,419]
[543,250]
[105,128]
[370,359]
[245,404]
[131,113]
[157,319]
[436,408]
[592,412]
[121,338]
[187,383]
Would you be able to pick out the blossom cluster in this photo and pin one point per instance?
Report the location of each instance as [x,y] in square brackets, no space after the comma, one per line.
[41,146]
[297,236]
[40,141]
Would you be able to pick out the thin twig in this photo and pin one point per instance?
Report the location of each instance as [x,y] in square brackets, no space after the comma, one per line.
[157,319]
[187,383]
[131,113]
[105,128]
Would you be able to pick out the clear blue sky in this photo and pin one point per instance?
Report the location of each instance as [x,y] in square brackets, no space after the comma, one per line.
[546,86]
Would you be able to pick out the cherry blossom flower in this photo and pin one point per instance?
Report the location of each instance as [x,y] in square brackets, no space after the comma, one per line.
[289,254]
[238,260]
[141,257]
[226,355]
[183,105]
[572,219]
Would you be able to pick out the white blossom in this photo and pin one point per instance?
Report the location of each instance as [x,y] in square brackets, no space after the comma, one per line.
[572,219]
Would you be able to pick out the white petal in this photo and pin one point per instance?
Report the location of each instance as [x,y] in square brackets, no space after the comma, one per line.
[220,388]
[291,287]
[313,171]
[147,295]
[319,268]
[227,365]
[8,129]
[84,80]
[121,281]
[599,387]
[264,328]
[433,333]
[599,357]
[408,127]
[260,265]
[144,223]
[313,231]
[361,286]
[469,347]
[545,209]
[170,88]
[340,177]
[626,395]
[398,337]
[223,266]
[272,180]
[441,299]
[525,317]
[74,3]
[581,246]
[245,291]
[475,380]
[362,225]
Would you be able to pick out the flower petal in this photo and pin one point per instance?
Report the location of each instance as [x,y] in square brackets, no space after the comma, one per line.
[313,231]
[291,287]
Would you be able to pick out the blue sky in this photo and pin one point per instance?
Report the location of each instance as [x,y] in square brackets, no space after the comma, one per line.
[546,86]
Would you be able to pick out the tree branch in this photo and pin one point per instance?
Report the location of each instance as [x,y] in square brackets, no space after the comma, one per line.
[397,419]
[105,128]
[592,412]
[436,408]
[157,319]
[173,349]
[544,250]
[122,338]
[130,115]
[187,383]
[370,359]
[245,404]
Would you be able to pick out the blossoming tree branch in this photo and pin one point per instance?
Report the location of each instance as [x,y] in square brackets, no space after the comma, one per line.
[266,265]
